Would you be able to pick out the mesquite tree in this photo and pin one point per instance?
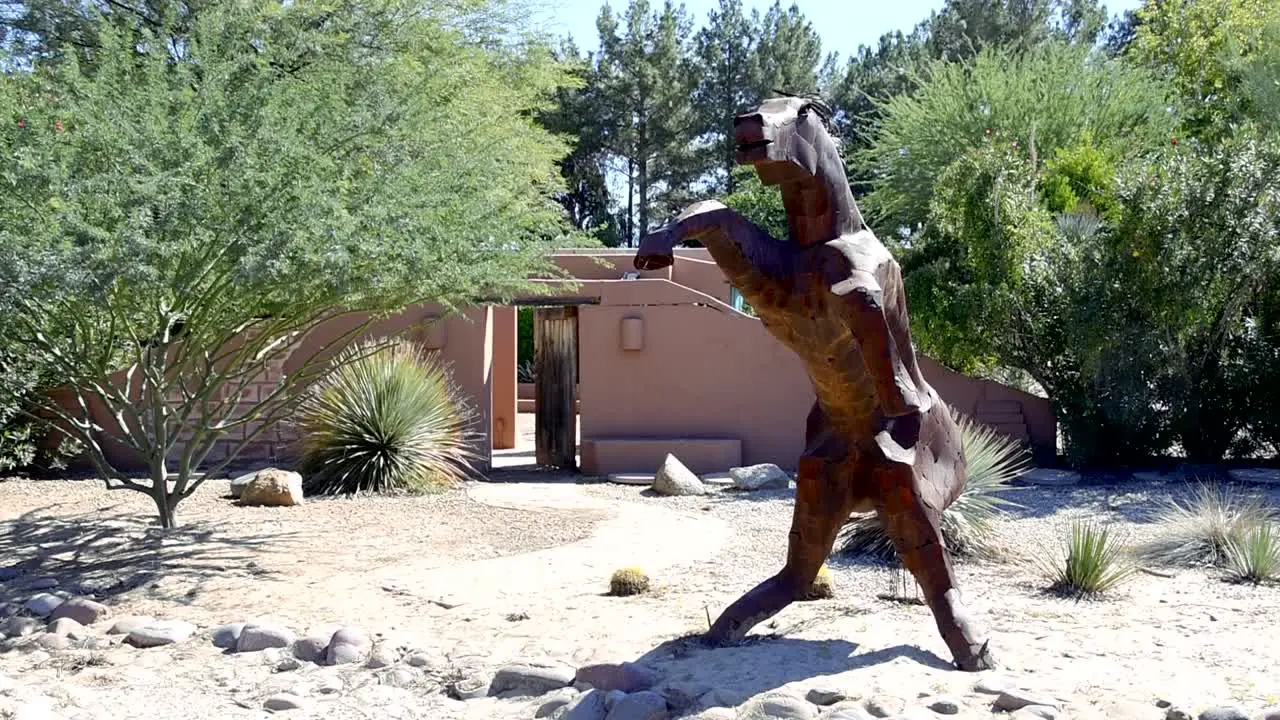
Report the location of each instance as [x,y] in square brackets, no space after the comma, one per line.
[184,202]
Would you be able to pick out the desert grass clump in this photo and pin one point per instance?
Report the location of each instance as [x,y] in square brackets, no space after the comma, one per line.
[823,586]
[389,421]
[628,581]
[1200,530]
[993,461]
[1254,556]
[1095,561]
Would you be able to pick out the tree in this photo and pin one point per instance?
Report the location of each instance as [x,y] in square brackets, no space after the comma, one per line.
[579,116]
[789,54]
[183,213]
[1042,100]
[1200,44]
[726,65]
[647,85]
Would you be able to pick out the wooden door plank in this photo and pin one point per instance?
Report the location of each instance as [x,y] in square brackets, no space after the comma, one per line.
[555,332]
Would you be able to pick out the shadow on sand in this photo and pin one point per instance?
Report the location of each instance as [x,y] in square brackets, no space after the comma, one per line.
[104,555]
[761,663]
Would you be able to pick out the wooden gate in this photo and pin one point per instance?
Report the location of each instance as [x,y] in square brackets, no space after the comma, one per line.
[555,336]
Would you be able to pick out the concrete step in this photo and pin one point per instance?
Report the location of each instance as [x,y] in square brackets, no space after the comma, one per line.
[630,455]
[1001,418]
[998,406]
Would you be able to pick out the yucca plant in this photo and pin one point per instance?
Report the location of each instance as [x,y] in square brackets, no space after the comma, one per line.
[993,461]
[1200,530]
[1254,556]
[1095,561]
[390,421]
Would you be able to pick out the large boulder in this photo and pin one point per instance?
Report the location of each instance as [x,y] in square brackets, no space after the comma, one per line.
[673,478]
[274,488]
[766,476]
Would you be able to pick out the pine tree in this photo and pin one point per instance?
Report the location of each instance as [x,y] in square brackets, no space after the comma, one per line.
[724,52]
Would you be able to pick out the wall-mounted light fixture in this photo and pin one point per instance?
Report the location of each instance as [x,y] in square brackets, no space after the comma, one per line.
[632,333]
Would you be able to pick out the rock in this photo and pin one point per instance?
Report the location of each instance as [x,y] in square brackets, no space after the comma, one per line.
[382,655]
[626,676]
[1036,712]
[42,604]
[227,637]
[9,609]
[1271,713]
[1224,712]
[716,713]
[82,610]
[590,705]
[53,643]
[717,480]
[420,659]
[66,627]
[471,686]
[992,685]
[673,478]
[528,679]
[847,710]
[45,583]
[1177,714]
[9,573]
[1016,698]
[161,632]
[884,706]
[824,695]
[330,685]
[260,636]
[313,649]
[273,488]
[612,697]
[284,701]
[348,645]
[1055,478]
[238,484]
[777,706]
[287,664]
[16,627]
[643,705]
[401,677]
[766,476]
[942,704]
[126,625]
[720,697]
[555,701]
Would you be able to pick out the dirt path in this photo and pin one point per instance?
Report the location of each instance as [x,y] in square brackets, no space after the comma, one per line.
[516,571]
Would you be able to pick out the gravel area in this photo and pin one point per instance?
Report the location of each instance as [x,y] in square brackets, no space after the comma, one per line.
[470,580]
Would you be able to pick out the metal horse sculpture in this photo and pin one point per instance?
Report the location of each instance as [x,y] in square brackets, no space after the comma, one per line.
[878,436]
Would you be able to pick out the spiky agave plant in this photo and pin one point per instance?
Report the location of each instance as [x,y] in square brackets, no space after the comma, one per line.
[1095,561]
[1200,530]
[993,461]
[1254,556]
[392,420]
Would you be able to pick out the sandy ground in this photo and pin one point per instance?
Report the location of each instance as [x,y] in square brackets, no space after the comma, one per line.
[502,572]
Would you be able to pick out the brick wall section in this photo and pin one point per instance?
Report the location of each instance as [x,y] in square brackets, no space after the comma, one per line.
[270,445]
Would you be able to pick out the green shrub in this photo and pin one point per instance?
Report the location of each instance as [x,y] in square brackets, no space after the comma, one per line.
[1254,555]
[628,581]
[1200,531]
[389,421]
[1094,562]
[993,461]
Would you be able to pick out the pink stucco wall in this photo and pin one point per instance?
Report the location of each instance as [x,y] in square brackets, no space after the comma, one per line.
[708,382]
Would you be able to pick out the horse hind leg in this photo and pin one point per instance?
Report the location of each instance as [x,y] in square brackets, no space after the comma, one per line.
[912,520]
[823,502]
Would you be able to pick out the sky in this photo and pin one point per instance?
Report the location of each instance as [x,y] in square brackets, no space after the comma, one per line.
[842,24]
